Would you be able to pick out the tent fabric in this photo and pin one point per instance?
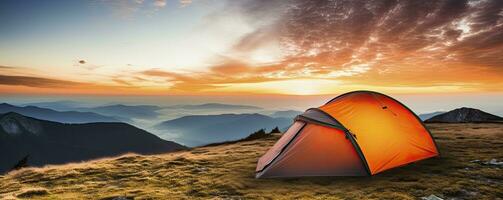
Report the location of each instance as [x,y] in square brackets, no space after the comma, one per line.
[388,133]
[319,117]
[375,129]
[280,144]
[318,151]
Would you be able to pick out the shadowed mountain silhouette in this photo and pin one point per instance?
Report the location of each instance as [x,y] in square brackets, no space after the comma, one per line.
[195,130]
[464,115]
[56,143]
[21,163]
[58,116]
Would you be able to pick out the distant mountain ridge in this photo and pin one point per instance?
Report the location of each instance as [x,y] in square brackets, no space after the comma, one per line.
[214,106]
[464,115]
[205,129]
[127,111]
[120,112]
[58,116]
[63,105]
[426,116]
[47,142]
[286,113]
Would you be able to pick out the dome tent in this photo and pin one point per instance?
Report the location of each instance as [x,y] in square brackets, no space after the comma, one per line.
[355,134]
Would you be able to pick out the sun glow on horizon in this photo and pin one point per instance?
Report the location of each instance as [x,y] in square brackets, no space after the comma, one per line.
[249,47]
[292,87]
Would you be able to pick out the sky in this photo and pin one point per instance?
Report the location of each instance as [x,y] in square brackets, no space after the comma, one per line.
[251,47]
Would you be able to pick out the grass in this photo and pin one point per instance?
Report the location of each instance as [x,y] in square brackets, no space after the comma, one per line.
[227,172]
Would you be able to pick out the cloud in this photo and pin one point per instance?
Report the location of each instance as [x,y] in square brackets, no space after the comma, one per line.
[41,85]
[86,65]
[121,82]
[382,43]
[233,72]
[127,8]
[37,82]
[389,43]
[6,67]
[185,3]
[443,37]
[399,31]
[159,3]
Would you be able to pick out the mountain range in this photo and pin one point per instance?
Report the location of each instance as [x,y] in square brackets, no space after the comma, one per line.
[196,130]
[44,142]
[426,116]
[464,115]
[286,113]
[58,116]
[64,105]
[126,111]
[119,111]
[214,106]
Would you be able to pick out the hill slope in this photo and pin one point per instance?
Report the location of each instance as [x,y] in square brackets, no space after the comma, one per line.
[47,142]
[58,116]
[227,172]
[204,129]
[463,115]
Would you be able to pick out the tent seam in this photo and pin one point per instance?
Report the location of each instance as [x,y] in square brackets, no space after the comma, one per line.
[282,149]
[373,92]
[351,138]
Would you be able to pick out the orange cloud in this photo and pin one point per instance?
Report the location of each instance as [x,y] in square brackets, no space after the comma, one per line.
[37,82]
[328,46]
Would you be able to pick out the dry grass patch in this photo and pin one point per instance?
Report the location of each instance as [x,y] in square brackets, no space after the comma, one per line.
[227,172]
[32,192]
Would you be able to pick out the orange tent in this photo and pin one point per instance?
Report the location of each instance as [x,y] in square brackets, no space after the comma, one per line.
[355,134]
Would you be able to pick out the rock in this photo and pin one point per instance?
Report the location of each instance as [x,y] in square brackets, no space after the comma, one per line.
[33,192]
[200,169]
[494,162]
[431,197]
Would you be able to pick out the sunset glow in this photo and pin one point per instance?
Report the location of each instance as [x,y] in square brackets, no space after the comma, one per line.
[250,47]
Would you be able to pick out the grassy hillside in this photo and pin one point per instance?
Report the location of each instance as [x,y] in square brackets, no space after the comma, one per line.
[227,172]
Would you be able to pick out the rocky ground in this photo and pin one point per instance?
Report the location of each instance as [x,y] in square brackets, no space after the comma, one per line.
[469,168]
